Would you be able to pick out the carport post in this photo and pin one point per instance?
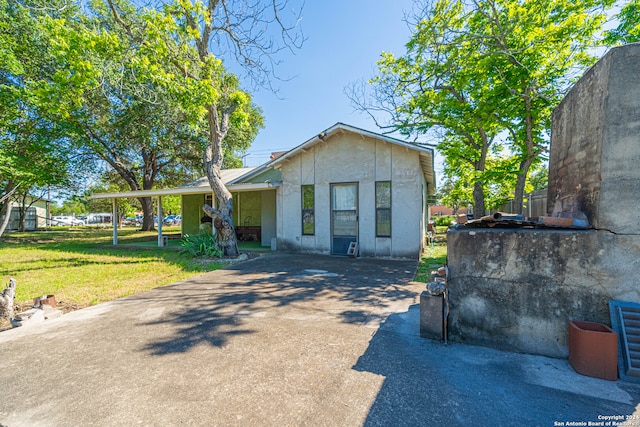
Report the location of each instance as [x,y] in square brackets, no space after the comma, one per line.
[160,242]
[114,219]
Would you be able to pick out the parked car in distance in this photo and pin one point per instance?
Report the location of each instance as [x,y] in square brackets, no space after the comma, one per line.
[130,221]
[172,220]
[66,221]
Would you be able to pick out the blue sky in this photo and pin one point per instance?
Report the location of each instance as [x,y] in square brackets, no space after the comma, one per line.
[344,40]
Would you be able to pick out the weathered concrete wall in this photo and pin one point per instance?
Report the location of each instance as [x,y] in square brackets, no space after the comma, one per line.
[517,289]
[595,145]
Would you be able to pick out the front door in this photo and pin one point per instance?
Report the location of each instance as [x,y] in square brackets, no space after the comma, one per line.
[344,217]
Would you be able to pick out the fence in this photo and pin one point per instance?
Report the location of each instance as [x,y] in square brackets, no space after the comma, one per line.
[535,204]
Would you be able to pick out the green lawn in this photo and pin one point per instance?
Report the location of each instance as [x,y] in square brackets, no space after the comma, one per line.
[434,256]
[81,267]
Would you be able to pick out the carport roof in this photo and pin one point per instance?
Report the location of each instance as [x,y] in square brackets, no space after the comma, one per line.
[199,186]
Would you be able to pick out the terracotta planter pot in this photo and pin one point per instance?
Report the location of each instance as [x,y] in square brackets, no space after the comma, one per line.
[593,350]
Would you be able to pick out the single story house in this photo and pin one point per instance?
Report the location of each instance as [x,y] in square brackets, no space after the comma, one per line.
[345,189]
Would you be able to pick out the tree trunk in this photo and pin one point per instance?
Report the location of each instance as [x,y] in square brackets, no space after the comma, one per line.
[479,209]
[223,223]
[148,179]
[23,216]
[528,155]
[521,181]
[478,200]
[213,160]
[6,211]
[223,216]
[147,211]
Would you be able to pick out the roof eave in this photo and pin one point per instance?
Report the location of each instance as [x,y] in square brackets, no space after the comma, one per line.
[183,191]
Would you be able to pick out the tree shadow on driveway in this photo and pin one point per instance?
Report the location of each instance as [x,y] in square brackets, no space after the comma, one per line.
[212,308]
[430,383]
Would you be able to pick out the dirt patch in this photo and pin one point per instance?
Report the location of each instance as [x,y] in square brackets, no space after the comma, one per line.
[64,306]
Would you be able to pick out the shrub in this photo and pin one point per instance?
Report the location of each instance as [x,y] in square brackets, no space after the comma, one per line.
[201,244]
[444,220]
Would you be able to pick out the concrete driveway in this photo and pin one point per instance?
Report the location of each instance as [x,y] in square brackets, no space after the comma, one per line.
[282,340]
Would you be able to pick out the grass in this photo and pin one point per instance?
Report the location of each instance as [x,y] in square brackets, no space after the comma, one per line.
[434,256]
[81,267]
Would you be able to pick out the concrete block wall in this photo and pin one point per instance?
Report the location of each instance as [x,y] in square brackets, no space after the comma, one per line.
[595,145]
[517,289]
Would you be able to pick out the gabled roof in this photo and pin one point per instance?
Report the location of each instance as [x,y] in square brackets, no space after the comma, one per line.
[244,179]
[426,152]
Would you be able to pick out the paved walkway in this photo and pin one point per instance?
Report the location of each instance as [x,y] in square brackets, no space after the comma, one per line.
[282,340]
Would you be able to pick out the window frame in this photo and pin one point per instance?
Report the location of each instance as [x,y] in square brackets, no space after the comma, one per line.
[307,212]
[381,208]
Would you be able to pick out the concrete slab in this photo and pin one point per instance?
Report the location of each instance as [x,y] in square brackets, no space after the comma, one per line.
[271,342]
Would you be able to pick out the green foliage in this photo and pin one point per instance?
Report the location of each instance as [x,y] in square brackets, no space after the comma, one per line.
[539,178]
[443,220]
[33,149]
[433,258]
[202,244]
[172,204]
[482,78]
[74,205]
[628,29]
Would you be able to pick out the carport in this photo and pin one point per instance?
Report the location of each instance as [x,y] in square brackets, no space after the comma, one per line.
[200,187]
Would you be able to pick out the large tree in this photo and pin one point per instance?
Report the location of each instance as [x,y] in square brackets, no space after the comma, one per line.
[34,151]
[124,112]
[435,89]
[482,76]
[537,48]
[189,40]
[628,28]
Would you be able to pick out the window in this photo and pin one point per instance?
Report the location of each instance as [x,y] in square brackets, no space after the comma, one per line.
[383,208]
[308,215]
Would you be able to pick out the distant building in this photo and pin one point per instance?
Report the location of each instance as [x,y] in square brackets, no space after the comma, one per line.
[441,210]
[35,216]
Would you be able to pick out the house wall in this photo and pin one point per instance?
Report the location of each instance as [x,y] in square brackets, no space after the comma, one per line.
[36,216]
[346,158]
[268,216]
[253,208]
[191,213]
[247,208]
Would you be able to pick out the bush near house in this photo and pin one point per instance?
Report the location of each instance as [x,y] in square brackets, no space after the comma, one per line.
[444,220]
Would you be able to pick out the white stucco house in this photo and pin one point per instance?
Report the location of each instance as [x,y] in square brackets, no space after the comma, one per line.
[343,185]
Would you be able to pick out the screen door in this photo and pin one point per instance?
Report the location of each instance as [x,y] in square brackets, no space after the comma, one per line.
[344,217]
